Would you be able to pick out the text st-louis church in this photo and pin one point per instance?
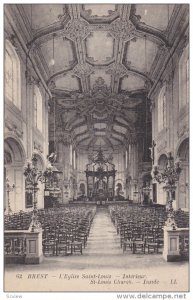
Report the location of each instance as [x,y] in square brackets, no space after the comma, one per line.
[96,138]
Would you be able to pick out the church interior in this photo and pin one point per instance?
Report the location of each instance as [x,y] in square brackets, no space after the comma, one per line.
[96,136]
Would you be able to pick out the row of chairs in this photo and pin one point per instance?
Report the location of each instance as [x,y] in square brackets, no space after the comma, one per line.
[65,230]
[141,228]
[17,221]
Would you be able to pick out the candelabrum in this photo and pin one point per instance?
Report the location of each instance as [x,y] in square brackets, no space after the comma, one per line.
[33,176]
[170,177]
[9,188]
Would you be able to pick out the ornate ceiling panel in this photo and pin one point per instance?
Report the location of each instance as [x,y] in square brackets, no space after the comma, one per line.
[101,73]
[120,129]
[117,136]
[86,141]
[121,120]
[131,83]
[102,133]
[97,13]
[155,15]
[62,56]
[100,10]
[82,137]
[96,53]
[100,142]
[100,125]
[100,81]
[68,82]
[100,117]
[76,121]
[43,15]
[140,54]
[80,129]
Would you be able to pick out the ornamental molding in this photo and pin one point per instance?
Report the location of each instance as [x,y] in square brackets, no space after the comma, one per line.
[76,29]
[83,69]
[118,70]
[13,128]
[122,29]
[100,87]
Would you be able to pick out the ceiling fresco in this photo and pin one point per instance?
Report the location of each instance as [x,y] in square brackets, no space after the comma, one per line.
[99,60]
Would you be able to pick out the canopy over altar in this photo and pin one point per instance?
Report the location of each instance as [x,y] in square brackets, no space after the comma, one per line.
[100,175]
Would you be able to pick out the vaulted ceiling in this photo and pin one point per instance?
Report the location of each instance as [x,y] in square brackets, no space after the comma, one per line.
[98,61]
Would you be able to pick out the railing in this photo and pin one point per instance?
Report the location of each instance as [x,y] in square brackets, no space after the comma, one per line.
[23,246]
[15,245]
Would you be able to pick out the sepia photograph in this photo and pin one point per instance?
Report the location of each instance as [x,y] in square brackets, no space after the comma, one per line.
[96,147]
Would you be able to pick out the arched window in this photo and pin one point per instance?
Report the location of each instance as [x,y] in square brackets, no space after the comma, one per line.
[162,109]
[12,75]
[184,78]
[37,108]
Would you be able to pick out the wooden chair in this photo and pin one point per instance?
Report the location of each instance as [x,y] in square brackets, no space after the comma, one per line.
[128,242]
[49,247]
[76,247]
[138,244]
[151,244]
[63,248]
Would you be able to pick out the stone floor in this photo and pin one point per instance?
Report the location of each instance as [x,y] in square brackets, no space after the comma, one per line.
[102,267]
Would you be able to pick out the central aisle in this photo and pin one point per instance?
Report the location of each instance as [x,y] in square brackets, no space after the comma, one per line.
[103,239]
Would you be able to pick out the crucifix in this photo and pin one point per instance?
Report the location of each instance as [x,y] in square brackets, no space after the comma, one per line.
[152,151]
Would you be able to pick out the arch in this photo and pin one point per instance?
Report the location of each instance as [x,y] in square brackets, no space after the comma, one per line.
[119,187]
[162,161]
[183,150]
[82,188]
[15,149]
[15,157]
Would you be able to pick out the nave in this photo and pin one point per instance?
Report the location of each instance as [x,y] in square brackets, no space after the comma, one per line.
[96,129]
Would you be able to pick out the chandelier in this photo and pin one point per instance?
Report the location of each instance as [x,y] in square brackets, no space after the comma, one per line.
[33,175]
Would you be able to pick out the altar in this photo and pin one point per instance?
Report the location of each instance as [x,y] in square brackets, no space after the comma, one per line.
[100,176]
